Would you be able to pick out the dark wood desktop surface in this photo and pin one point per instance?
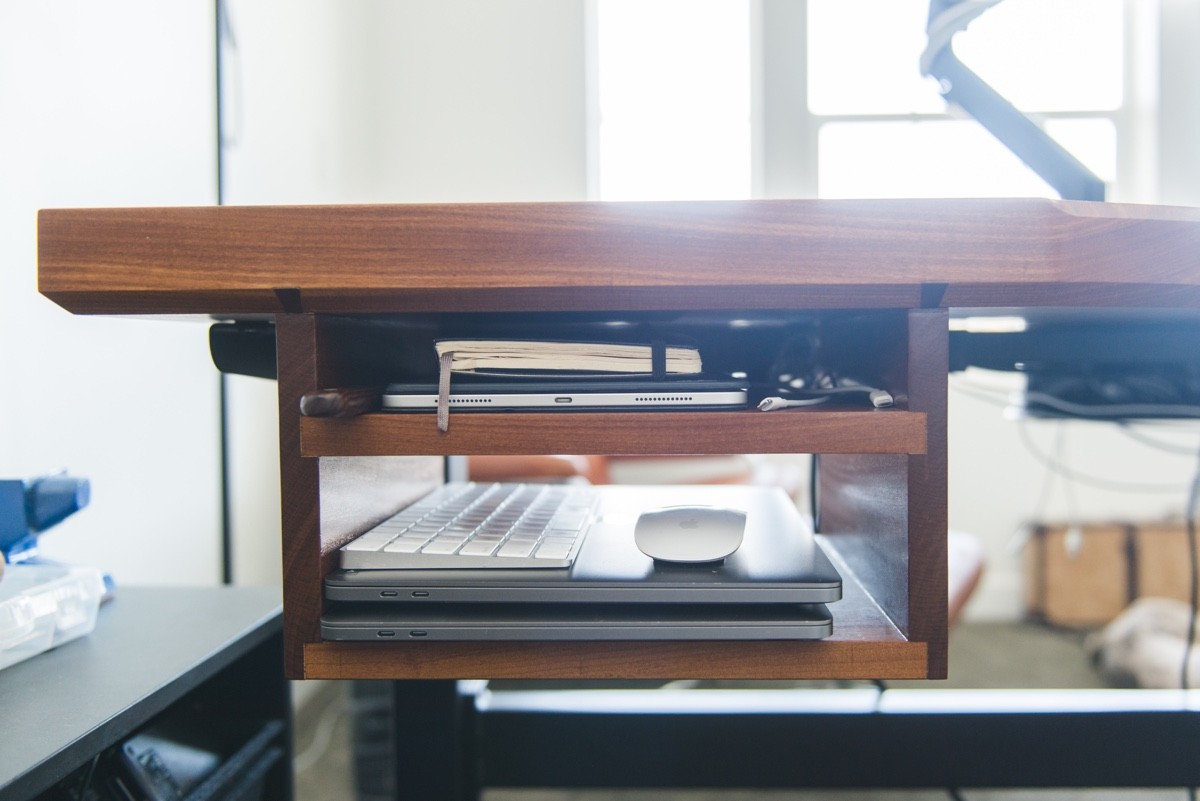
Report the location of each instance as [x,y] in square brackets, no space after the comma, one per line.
[660,255]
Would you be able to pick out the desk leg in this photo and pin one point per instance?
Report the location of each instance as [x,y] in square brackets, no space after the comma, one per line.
[414,740]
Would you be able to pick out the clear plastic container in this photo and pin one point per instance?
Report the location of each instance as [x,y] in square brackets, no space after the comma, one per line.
[42,606]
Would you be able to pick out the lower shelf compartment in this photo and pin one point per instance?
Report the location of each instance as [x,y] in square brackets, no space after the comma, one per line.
[864,645]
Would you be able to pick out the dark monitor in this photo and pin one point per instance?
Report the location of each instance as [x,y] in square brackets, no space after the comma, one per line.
[1099,364]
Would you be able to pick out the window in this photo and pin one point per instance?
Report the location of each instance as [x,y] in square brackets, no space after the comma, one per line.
[673,97]
[883,130]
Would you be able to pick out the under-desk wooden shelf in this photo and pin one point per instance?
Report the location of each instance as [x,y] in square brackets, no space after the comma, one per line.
[865,645]
[471,433]
[875,278]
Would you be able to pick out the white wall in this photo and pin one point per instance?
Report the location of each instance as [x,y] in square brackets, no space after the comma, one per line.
[472,100]
[997,485]
[381,101]
[108,104]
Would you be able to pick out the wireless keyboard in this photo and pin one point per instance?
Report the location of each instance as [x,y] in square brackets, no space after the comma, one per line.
[470,525]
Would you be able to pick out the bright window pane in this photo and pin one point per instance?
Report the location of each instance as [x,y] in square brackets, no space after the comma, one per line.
[674,98]
[864,58]
[1092,141]
[953,158]
[1063,55]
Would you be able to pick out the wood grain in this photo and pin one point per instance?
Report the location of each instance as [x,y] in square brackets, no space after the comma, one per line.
[488,433]
[300,491]
[826,659]
[928,517]
[571,256]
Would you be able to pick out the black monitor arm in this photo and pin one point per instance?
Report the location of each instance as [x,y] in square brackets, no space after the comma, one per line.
[963,88]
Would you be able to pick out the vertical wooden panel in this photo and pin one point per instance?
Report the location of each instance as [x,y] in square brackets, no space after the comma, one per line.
[886,515]
[864,498]
[864,508]
[928,362]
[296,355]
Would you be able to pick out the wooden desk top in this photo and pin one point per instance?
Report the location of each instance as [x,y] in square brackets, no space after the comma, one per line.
[599,256]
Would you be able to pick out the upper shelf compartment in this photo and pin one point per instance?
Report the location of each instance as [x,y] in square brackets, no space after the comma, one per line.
[753,254]
[772,353]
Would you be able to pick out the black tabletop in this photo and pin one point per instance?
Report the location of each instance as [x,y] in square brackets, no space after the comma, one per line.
[149,648]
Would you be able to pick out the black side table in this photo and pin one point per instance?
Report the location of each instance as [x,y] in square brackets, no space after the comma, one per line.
[211,656]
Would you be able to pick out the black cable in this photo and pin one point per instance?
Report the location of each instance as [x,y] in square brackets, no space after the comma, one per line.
[1083,478]
[1109,411]
[226,506]
[86,787]
[223,33]
[880,688]
[1193,577]
[1043,499]
[1166,447]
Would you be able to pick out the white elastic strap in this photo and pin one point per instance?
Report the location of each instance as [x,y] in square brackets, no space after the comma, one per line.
[443,398]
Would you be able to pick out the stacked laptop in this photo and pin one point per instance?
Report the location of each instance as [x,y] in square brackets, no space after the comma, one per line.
[491,562]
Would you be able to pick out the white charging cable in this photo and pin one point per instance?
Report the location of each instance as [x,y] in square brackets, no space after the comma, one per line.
[880,399]
[773,403]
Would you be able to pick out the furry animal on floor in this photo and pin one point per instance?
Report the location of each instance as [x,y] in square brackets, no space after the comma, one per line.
[1144,646]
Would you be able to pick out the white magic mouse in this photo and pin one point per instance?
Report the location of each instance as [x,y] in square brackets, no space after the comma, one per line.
[689,533]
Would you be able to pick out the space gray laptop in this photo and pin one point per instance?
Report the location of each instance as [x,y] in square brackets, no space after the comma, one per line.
[779,561]
[501,622]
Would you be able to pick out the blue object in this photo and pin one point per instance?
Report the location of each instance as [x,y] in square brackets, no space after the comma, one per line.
[27,508]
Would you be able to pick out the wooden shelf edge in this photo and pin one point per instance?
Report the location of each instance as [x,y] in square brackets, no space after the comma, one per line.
[649,433]
[821,659]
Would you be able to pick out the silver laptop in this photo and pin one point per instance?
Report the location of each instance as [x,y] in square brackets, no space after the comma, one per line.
[778,561]
[533,394]
[499,622]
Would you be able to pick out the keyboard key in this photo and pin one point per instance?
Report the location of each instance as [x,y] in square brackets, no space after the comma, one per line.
[554,550]
[371,541]
[442,546]
[477,525]
[520,548]
[405,545]
[478,547]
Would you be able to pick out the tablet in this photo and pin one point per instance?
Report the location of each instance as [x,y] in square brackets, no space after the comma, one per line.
[567,394]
